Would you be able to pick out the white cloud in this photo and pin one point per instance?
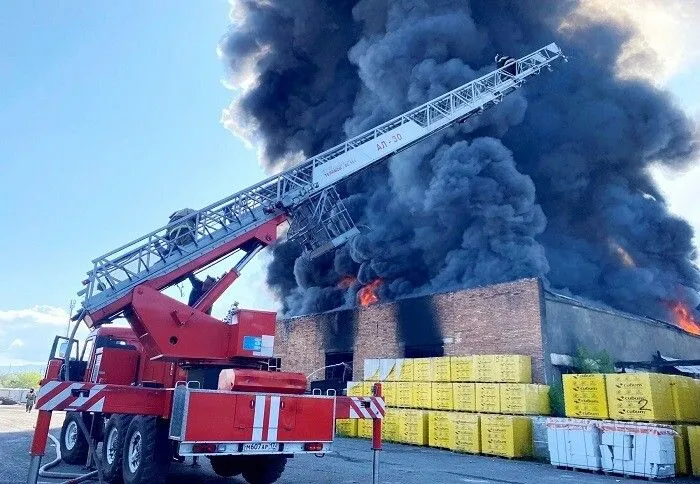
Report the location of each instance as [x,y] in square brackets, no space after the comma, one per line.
[38,315]
[17,343]
[8,361]
[666,40]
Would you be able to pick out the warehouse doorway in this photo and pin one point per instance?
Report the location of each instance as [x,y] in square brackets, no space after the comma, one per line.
[423,351]
[339,366]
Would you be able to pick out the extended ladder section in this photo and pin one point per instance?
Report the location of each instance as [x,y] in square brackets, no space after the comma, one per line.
[305,194]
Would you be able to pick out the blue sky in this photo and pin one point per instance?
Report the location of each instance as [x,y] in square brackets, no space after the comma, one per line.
[109,121]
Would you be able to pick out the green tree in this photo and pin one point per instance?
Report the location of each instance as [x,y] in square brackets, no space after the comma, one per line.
[587,361]
[27,379]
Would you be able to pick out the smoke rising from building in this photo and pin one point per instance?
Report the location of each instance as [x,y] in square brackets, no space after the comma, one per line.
[552,182]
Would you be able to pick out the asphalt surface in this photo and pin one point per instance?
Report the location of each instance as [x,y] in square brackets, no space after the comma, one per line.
[350,463]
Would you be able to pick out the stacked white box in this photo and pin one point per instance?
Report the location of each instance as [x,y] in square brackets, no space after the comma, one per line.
[386,369]
[371,370]
[640,449]
[574,443]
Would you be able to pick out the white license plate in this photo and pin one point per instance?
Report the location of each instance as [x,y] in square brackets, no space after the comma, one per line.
[261,447]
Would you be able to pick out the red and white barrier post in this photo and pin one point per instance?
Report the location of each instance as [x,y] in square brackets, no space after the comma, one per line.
[38,449]
[376,438]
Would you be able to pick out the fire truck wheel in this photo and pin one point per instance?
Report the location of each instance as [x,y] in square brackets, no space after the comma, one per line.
[113,446]
[147,451]
[227,465]
[74,445]
[264,469]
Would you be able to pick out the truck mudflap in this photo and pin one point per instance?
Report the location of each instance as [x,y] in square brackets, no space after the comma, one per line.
[206,422]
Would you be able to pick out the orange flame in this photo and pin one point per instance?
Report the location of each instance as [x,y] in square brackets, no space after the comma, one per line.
[684,318]
[346,282]
[368,294]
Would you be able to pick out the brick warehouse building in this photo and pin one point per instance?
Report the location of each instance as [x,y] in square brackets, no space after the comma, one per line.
[517,317]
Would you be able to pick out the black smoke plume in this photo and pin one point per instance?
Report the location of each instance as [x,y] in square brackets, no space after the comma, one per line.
[552,182]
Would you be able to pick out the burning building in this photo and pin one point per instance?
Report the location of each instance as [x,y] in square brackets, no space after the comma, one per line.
[519,317]
[551,188]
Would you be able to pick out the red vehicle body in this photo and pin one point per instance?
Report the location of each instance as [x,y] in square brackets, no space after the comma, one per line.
[182,383]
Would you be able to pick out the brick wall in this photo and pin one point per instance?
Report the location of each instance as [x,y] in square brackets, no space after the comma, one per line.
[503,318]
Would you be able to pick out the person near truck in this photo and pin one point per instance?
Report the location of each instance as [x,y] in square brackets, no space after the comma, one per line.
[31,400]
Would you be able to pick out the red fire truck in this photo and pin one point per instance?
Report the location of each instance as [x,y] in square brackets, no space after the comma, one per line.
[179,382]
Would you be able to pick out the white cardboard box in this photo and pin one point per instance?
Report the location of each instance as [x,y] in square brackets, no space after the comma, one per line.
[371,370]
[574,443]
[639,449]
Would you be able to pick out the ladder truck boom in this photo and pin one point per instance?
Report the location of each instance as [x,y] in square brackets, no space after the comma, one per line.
[305,195]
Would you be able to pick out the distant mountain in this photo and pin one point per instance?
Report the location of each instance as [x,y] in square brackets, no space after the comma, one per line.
[7,369]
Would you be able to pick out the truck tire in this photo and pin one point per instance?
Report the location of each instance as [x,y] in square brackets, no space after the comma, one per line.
[264,469]
[227,465]
[147,451]
[113,446]
[74,445]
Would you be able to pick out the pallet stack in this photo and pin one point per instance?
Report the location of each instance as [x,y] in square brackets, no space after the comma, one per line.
[630,423]
[474,404]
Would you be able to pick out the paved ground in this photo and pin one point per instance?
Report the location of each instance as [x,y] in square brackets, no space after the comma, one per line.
[351,463]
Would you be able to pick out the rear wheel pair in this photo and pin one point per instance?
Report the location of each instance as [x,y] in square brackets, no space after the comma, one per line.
[259,469]
[135,449]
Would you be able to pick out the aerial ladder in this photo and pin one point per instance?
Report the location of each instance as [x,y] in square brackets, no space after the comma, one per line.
[186,341]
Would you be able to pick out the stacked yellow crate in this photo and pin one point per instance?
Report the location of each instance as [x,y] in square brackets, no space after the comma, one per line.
[524,398]
[429,398]
[640,397]
[694,446]
[464,396]
[585,396]
[506,435]
[346,427]
[440,429]
[465,435]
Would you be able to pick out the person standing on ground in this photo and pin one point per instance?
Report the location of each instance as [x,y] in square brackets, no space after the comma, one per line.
[31,399]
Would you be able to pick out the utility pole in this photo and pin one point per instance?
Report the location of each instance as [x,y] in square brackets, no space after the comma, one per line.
[70,315]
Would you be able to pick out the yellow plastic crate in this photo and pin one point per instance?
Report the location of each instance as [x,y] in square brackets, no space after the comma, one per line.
[440,429]
[640,396]
[403,371]
[423,369]
[466,435]
[364,428]
[355,388]
[414,427]
[506,435]
[442,397]
[441,369]
[346,427]
[694,446]
[367,389]
[585,396]
[513,369]
[422,394]
[389,392]
[390,425]
[464,396]
[686,399]
[404,394]
[484,368]
[462,368]
[487,397]
[682,450]
[525,398]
